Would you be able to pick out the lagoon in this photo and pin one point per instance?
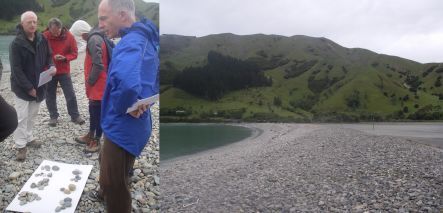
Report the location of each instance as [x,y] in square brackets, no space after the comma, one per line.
[5,41]
[184,139]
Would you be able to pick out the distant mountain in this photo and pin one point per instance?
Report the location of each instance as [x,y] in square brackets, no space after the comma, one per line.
[313,79]
[67,10]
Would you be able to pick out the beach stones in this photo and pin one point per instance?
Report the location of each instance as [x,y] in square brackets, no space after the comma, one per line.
[71,188]
[65,203]
[26,197]
[43,174]
[14,175]
[46,168]
[67,191]
[41,184]
[76,178]
[39,174]
[76,172]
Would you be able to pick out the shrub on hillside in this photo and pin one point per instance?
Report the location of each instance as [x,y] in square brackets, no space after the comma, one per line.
[277,101]
[306,103]
[57,3]
[353,100]
[299,68]
[428,112]
[438,82]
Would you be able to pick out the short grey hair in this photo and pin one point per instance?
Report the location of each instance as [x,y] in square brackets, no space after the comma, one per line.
[55,22]
[122,5]
[26,14]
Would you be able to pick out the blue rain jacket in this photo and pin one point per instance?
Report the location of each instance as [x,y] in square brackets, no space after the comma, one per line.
[132,75]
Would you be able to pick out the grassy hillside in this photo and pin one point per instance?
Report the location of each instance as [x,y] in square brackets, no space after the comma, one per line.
[71,10]
[313,79]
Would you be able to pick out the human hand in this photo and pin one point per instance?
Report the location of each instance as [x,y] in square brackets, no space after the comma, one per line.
[59,57]
[33,93]
[139,111]
[53,71]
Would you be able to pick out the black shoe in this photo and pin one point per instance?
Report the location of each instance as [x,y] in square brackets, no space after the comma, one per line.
[52,122]
[34,144]
[78,120]
[95,196]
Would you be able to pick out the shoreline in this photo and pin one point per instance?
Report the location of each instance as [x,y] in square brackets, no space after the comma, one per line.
[255,132]
[293,167]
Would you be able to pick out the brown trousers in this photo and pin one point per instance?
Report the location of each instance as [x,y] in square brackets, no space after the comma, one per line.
[115,164]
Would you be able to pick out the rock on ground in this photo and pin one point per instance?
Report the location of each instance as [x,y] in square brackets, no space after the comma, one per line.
[306,168]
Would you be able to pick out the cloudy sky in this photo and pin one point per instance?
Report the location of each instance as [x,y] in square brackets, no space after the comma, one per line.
[411,29]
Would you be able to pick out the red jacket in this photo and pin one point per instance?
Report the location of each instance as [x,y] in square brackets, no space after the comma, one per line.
[96,90]
[64,45]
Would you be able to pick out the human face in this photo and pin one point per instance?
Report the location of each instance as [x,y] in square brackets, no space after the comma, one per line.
[55,31]
[29,24]
[108,21]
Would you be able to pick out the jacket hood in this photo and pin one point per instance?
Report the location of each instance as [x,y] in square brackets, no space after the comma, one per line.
[144,26]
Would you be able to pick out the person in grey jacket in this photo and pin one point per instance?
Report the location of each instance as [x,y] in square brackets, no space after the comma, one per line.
[98,56]
[8,116]
[29,55]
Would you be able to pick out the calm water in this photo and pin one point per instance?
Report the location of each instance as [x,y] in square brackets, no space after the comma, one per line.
[4,51]
[183,139]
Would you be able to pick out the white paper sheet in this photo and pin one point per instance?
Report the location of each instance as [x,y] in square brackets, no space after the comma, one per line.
[45,76]
[148,101]
[51,194]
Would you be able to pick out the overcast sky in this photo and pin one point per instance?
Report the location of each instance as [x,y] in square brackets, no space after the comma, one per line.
[411,29]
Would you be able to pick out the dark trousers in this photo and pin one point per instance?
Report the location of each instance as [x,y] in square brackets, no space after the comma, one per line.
[115,164]
[95,109]
[8,119]
[68,91]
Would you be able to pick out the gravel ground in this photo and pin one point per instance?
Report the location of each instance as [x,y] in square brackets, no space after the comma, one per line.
[59,145]
[307,168]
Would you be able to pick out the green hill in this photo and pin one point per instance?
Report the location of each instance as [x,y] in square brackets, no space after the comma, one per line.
[67,10]
[313,79]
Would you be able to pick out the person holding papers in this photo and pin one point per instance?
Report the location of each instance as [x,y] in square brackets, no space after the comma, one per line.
[132,76]
[64,50]
[29,55]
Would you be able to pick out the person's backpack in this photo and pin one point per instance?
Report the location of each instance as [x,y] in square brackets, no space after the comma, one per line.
[109,44]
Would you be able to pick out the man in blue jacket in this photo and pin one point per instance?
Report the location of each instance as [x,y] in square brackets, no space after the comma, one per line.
[132,75]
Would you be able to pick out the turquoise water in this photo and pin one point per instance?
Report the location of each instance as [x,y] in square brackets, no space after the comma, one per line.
[184,139]
[5,41]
